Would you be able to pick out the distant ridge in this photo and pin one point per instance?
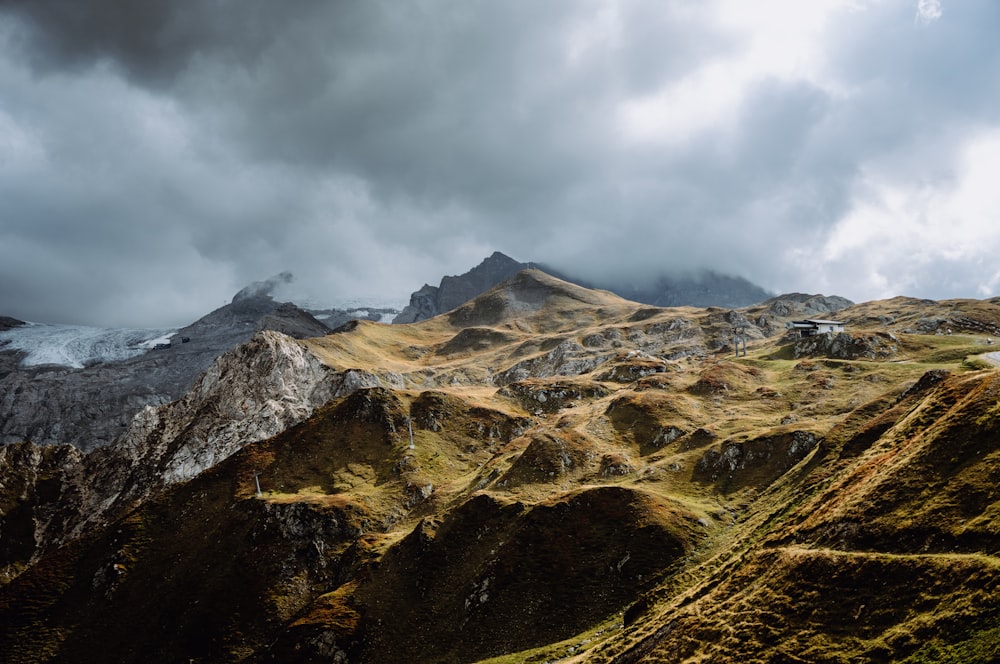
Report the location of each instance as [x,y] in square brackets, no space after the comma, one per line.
[7,323]
[701,289]
[704,289]
[89,407]
[453,291]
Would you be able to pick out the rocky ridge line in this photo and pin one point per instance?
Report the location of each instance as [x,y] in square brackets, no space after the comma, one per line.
[251,393]
[90,407]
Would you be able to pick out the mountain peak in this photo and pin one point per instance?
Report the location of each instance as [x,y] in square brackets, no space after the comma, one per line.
[7,323]
[526,292]
[701,289]
[499,258]
[453,291]
[263,289]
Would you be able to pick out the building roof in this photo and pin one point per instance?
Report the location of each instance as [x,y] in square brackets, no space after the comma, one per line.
[812,323]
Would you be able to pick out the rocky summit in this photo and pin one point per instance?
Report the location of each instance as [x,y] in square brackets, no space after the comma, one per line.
[430,301]
[544,473]
[90,406]
[702,289]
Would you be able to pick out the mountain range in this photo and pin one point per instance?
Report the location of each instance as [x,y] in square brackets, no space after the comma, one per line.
[704,289]
[544,472]
[88,407]
[86,391]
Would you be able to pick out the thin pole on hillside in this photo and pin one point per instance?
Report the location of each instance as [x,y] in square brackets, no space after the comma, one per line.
[740,333]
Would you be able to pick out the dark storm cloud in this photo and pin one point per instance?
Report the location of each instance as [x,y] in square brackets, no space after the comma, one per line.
[373,146]
[153,41]
[471,102]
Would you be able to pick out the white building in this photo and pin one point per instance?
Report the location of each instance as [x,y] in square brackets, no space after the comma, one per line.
[808,328]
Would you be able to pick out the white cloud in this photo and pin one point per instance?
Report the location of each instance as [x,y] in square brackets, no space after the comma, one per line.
[780,40]
[928,11]
[932,238]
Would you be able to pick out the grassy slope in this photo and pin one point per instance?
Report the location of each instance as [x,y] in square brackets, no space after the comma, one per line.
[623,508]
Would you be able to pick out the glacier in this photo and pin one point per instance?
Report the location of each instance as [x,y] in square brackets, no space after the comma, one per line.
[77,346]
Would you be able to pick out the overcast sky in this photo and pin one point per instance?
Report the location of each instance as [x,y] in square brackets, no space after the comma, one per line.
[157,156]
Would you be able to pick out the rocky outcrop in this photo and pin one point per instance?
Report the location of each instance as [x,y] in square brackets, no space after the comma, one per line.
[251,393]
[762,459]
[90,407]
[31,498]
[845,346]
[453,291]
[423,305]
[566,359]
[550,396]
[802,305]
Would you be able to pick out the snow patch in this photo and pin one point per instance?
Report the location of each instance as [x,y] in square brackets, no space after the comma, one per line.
[77,346]
[349,304]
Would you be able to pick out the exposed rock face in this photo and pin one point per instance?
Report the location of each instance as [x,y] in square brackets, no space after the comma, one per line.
[772,455]
[453,291]
[258,389]
[550,396]
[423,305]
[701,290]
[32,496]
[89,407]
[845,346]
[251,393]
[792,305]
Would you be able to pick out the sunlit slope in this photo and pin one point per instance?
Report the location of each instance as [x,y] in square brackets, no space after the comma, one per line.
[882,546]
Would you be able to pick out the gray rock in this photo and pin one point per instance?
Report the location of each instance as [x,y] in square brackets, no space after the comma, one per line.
[249,394]
[454,291]
[89,407]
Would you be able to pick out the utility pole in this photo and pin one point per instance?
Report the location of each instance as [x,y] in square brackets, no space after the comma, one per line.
[740,333]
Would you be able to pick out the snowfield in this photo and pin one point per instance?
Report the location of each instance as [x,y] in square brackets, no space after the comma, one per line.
[77,346]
